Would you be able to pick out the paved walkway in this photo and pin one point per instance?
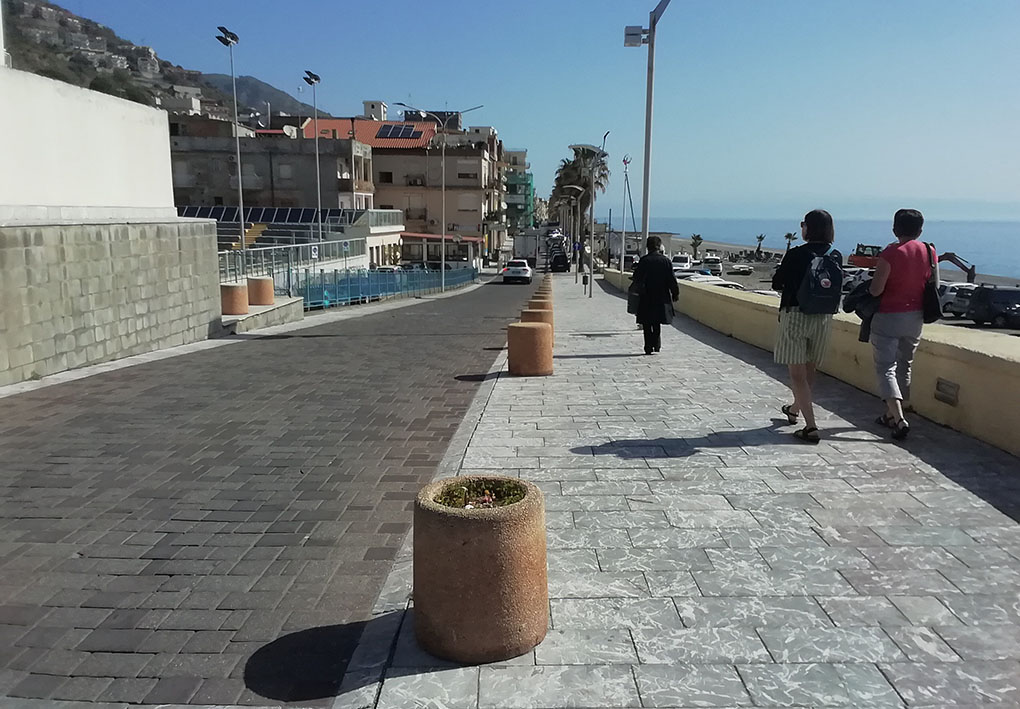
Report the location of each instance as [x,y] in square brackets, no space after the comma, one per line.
[214,528]
[700,556]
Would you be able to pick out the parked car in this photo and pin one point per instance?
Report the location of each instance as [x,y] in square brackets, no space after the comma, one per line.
[993,304]
[955,298]
[713,264]
[740,269]
[560,263]
[517,270]
[438,265]
[386,269]
[418,266]
[682,262]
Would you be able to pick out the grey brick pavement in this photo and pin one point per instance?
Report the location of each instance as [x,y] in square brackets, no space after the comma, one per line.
[700,556]
[215,528]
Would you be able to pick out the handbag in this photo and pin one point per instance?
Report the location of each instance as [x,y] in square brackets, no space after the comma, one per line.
[932,308]
[634,293]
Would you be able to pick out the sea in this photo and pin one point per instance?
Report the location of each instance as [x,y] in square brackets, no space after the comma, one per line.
[993,247]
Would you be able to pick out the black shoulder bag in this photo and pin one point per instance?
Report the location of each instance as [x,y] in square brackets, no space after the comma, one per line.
[931,305]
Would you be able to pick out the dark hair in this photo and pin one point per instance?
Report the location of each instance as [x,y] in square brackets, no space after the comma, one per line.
[818,224]
[654,244]
[907,223]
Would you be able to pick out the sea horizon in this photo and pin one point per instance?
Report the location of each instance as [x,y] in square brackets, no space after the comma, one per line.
[984,243]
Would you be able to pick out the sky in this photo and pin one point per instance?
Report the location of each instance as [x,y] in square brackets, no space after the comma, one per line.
[762,108]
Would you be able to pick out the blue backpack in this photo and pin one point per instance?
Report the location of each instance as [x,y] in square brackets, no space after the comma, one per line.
[822,287]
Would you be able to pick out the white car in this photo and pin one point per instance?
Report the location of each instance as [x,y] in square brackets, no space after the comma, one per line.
[741,269]
[955,297]
[713,264]
[682,262]
[517,270]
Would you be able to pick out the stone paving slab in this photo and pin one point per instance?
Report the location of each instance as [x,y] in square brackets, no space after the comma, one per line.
[701,556]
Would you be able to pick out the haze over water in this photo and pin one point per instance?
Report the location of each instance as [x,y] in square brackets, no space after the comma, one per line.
[994,247]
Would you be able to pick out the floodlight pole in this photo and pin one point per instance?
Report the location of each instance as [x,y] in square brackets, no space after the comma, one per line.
[228,38]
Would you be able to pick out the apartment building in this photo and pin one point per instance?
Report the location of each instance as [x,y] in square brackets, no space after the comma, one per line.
[520,192]
[277,171]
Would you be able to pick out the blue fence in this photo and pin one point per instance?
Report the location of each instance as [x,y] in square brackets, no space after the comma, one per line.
[325,289]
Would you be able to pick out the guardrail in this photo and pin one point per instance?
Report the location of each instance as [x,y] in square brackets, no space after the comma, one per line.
[276,260]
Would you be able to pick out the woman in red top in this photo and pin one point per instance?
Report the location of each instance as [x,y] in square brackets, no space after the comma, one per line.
[903,268]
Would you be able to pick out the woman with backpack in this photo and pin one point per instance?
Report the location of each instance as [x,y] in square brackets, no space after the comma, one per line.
[904,268]
[810,278]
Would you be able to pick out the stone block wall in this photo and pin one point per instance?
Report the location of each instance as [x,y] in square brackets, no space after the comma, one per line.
[78,294]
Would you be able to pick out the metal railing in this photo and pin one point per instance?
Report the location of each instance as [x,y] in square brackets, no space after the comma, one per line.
[326,289]
[277,261]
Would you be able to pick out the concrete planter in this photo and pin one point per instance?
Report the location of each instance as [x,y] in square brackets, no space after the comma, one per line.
[481,592]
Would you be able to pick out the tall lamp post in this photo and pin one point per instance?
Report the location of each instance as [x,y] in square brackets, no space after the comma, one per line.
[313,79]
[635,36]
[228,39]
[597,154]
[443,124]
[577,226]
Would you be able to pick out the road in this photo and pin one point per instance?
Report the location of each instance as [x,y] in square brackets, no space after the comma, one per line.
[164,523]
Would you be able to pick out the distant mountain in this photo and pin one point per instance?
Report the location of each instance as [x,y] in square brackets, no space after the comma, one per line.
[254,93]
[45,38]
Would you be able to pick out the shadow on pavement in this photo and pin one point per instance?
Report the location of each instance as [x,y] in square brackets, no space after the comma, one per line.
[982,469]
[305,665]
[599,356]
[477,377]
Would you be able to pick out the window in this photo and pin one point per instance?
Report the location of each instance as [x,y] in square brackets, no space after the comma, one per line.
[385,206]
[217,201]
[467,175]
[386,178]
[285,171]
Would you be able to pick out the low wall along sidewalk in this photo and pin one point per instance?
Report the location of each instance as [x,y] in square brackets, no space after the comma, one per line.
[967,380]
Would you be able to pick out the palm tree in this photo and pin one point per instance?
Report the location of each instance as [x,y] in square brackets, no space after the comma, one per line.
[576,171]
[696,242]
[790,236]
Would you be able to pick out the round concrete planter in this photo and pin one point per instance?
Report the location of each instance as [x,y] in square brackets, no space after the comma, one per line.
[481,592]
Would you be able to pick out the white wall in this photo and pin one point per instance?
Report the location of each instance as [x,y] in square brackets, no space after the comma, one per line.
[70,154]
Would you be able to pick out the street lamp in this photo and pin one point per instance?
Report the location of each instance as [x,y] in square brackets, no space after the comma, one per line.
[228,39]
[597,154]
[635,36]
[576,229]
[442,240]
[313,79]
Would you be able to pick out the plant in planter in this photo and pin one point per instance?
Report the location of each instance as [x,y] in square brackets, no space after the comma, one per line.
[481,592]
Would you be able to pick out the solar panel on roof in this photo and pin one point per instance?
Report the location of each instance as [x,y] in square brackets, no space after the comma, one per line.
[224,214]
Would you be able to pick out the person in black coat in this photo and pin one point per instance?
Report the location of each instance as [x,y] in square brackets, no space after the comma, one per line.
[657,289]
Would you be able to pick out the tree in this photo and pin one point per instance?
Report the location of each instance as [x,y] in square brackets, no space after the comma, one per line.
[696,242]
[577,171]
[104,85]
[790,236]
[757,251]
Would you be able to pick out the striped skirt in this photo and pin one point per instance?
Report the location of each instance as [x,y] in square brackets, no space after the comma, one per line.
[801,337]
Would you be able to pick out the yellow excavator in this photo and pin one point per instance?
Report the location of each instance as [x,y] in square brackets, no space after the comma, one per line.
[961,264]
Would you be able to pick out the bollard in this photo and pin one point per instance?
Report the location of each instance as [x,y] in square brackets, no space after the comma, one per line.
[260,291]
[234,298]
[536,315]
[540,304]
[529,347]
